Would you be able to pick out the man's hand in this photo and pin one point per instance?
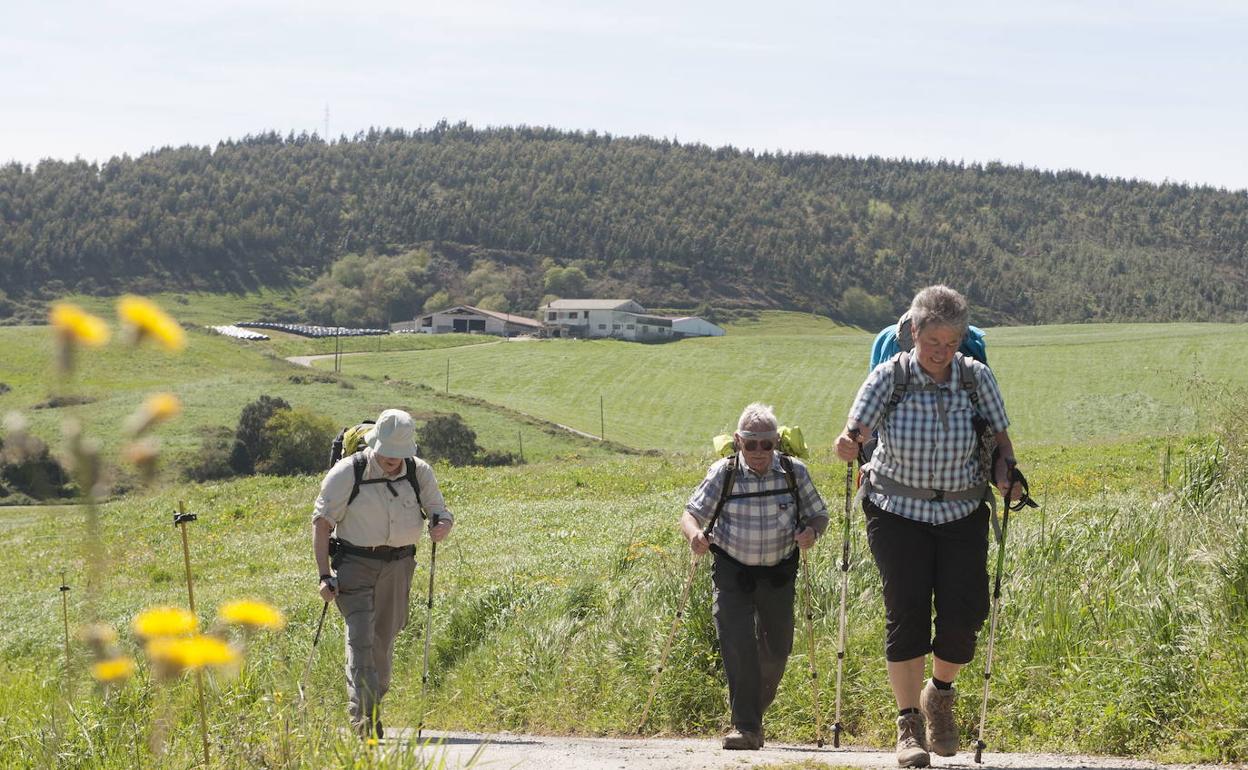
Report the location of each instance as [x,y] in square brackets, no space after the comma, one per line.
[439,531]
[699,544]
[805,539]
[329,589]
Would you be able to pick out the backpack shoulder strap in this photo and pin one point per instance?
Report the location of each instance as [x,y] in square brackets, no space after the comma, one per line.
[786,463]
[358,464]
[967,379]
[410,465]
[725,491]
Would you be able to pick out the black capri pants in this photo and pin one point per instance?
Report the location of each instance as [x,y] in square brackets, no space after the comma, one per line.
[919,562]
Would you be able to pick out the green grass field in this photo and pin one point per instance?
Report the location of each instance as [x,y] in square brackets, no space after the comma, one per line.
[1061,384]
[1125,601]
[215,377]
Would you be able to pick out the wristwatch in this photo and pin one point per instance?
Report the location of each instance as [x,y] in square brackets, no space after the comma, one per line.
[326,577]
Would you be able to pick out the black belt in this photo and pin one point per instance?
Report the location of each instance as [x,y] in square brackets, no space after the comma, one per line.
[380,552]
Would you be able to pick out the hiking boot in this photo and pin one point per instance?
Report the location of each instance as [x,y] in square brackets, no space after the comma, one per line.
[911,749]
[942,731]
[743,739]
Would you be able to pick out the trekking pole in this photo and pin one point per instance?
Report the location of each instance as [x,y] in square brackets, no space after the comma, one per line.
[725,492]
[837,726]
[180,519]
[996,602]
[671,635]
[65,614]
[810,635]
[307,667]
[424,676]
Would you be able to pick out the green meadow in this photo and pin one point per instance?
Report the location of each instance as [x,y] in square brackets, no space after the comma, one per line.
[1125,606]
[1062,384]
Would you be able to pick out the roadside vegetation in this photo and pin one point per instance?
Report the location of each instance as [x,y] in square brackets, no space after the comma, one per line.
[1125,614]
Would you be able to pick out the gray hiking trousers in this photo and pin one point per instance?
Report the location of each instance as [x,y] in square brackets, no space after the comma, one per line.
[755,629]
[373,599]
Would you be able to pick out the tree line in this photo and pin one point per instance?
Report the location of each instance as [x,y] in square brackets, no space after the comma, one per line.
[500,215]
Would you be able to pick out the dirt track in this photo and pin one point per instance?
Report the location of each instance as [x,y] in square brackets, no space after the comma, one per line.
[533,752]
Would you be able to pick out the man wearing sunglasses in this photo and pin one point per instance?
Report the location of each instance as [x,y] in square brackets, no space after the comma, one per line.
[759,507]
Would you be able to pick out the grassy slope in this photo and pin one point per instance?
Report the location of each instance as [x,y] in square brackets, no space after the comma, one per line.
[556,589]
[214,378]
[1100,382]
[1119,633]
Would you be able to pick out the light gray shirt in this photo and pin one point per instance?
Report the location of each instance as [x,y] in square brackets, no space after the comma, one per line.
[382,514]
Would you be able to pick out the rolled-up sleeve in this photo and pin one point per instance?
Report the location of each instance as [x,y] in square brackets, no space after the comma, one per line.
[873,396]
[816,511]
[331,501]
[702,502]
[430,495]
[991,404]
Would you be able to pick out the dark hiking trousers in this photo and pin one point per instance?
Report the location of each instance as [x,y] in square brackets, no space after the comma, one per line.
[920,562]
[755,631]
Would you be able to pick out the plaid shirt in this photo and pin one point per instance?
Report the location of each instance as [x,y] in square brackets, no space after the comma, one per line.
[920,449]
[758,530]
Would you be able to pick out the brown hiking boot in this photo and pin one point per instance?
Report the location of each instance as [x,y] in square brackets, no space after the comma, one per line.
[911,750]
[942,730]
[743,739]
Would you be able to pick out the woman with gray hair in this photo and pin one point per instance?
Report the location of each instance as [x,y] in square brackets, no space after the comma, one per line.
[754,511]
[926,498]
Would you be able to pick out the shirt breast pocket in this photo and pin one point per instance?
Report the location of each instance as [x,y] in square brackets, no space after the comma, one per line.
[786,508]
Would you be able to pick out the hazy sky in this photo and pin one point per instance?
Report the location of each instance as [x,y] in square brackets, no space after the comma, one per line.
[1152,90]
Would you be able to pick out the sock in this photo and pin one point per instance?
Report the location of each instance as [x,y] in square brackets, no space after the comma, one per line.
[904,712]
[941,685]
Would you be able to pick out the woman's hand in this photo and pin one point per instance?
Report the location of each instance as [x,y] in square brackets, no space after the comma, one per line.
[847,444]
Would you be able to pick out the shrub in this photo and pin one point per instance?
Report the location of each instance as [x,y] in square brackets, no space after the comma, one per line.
[295,441]
[215,459]
[251,430]
[448,437]
[493,457]
[27,468]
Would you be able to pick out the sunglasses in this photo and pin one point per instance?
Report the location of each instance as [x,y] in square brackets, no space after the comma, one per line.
[765,445]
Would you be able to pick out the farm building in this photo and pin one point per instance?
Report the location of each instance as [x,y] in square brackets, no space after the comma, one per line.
[618,318]
[468,319]
[692,326]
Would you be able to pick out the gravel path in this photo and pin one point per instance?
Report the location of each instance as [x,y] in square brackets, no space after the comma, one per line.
[539,752]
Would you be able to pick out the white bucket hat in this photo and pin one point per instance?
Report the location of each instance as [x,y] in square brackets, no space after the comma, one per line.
[392,435]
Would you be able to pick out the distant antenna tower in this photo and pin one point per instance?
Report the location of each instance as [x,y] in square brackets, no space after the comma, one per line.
[326,137]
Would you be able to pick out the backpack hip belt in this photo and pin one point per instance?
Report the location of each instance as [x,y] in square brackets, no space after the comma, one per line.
[379,552]
[874,481]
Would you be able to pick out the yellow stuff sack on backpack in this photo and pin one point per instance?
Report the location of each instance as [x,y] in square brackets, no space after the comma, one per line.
[791,442]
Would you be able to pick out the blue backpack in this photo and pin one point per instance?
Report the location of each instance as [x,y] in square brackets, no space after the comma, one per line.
[896,339]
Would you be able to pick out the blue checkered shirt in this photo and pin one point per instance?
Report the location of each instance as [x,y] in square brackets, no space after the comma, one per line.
[917,449]
[758,530]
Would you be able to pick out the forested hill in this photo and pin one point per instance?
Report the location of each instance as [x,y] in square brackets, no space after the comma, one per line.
[669,223]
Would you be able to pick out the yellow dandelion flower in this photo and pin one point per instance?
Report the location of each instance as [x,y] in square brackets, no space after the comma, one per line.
[164,621]
[74,323]
[145,319]
[158,408]
[252,614]
[191,652]
[113,670]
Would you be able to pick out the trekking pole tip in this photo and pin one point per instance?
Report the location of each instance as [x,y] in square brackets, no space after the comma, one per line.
[979,752]
[836,735]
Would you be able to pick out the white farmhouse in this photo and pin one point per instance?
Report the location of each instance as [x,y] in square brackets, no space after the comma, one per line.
[618,318]
[466,319]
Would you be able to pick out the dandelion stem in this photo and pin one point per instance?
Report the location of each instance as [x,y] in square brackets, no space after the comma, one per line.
[203,716]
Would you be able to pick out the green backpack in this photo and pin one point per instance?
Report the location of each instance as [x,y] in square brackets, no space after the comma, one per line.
[350,441]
